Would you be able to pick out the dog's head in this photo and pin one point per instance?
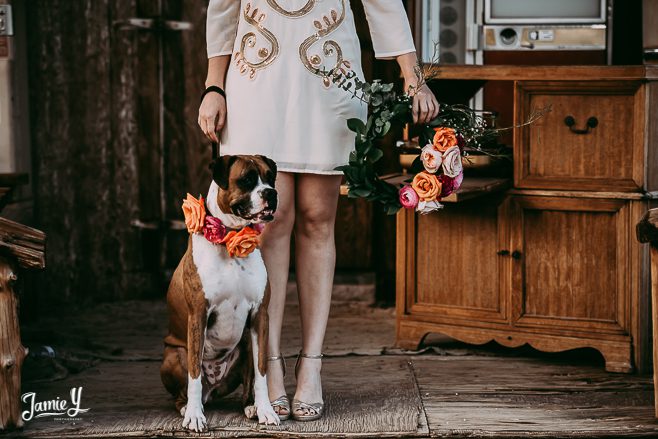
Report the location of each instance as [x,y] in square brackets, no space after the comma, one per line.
[246,186]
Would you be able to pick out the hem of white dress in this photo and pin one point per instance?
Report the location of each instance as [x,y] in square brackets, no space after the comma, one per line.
[220,53]
[308,171]
[389,55]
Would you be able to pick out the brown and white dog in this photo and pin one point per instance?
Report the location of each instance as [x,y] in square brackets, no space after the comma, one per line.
[218,304]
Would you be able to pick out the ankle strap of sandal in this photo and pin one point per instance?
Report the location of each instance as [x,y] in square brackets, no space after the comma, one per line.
[312,357]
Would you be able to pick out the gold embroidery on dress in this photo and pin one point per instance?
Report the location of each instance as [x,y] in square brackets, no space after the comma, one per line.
[308,7]
[249,40]
[325,27]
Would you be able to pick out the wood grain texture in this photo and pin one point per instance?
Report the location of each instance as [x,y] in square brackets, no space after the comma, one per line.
[465,391]
[575,280]
[575,262]
[12,352]
[456,250]
[80,94]
[26,244]
[512,397]
[616,350]
[547,73]
[579,194]
[652,136]
[548,155]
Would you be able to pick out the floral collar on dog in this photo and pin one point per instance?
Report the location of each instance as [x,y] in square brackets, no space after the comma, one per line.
[239,243]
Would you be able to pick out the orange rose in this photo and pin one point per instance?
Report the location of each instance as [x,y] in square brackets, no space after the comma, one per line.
[240,244]
[444,138]
[195,213]
[427,186]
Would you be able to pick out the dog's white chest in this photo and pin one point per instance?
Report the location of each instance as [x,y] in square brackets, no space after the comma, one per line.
[233,288]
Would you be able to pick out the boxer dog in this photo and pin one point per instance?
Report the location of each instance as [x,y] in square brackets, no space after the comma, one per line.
[218,304]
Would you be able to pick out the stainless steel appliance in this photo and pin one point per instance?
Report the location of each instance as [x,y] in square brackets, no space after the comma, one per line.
[465,29]
[451,31]
[545,25]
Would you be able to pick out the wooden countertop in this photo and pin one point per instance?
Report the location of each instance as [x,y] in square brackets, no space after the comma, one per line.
[471,188]
[550,73]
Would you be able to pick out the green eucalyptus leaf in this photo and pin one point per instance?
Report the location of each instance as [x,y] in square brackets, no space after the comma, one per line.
[361,192]
[375,154]
[355,124]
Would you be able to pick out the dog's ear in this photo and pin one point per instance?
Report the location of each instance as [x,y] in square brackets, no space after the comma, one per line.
[221,169]
[271,164]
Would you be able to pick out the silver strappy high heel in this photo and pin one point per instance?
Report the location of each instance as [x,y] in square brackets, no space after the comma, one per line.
[282,403]
[309,411]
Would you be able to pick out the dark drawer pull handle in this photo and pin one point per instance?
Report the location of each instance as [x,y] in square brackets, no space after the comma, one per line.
[570,121]
[516,255]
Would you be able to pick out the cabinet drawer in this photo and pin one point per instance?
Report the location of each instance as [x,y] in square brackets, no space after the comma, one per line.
[592,139]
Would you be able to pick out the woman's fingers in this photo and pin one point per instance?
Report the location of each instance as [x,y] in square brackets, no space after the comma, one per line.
[208,129]
[422,110]
[434,109]
[212,116]
[415,109]
[212,131]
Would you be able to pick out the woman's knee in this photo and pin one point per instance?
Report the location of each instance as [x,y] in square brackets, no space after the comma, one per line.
[316,221]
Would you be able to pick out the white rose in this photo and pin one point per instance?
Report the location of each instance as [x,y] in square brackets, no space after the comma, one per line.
[452,162]
[431,158]
[425,207]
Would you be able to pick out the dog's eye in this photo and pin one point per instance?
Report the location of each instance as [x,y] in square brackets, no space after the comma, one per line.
[269,177]
[248,180]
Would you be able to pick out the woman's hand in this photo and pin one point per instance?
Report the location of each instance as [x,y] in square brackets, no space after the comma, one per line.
[212,115]
[425,106]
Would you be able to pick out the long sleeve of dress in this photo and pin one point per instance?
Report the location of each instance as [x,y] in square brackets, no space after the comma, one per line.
[389,28]
[221,26]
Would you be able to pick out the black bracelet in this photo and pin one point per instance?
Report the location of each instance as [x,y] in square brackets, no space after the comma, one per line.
[213,89]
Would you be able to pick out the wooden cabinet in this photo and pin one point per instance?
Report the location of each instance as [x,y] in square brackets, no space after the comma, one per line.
[552,262]
[592,139]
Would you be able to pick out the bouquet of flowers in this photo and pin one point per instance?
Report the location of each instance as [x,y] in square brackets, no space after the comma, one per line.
[437,172]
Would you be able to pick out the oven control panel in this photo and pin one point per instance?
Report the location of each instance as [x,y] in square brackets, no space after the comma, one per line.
[550,37]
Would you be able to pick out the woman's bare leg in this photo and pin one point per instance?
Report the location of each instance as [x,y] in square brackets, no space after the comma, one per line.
[275,246]
[316,198]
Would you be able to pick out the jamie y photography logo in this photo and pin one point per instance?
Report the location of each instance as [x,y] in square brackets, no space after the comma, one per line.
[61,409]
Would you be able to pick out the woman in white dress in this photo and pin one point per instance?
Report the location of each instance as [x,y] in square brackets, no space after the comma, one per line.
[272,59]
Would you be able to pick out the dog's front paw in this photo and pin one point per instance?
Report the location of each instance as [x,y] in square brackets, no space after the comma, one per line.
[194,419]
[266,414]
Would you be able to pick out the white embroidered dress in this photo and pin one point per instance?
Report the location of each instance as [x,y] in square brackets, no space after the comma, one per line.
[279,104]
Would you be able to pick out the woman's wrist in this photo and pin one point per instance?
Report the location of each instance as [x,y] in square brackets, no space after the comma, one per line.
[214,82]
[409,68]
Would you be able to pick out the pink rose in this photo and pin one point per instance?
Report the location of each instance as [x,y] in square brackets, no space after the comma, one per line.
[213,230]
[450,184]
[408,197]
[452,162]
[431,158]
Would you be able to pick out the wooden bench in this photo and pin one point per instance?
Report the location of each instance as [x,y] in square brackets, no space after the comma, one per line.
[647,232]
[20,247]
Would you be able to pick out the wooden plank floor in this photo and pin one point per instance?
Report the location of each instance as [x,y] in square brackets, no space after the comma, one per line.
[453,390]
